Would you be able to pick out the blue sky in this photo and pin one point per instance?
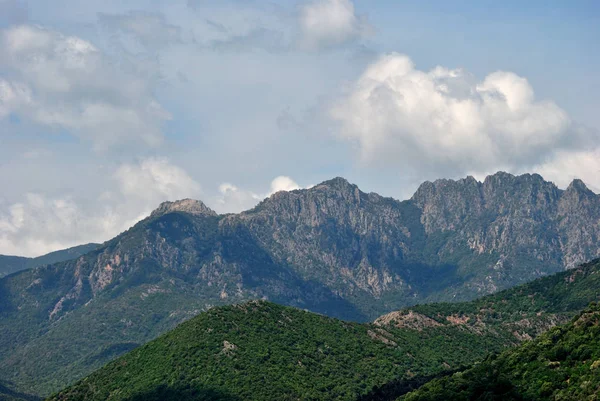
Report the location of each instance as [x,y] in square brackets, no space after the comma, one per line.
[108,108]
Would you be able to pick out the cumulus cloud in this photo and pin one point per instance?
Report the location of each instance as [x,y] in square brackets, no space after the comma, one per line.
[283,183]
[312,26]
[66,83]
[564,167]
[445,122]
[39,223]
[155,179]
[328,23]
[233,199]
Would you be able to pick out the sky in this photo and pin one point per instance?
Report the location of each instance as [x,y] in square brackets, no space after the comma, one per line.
[108,108]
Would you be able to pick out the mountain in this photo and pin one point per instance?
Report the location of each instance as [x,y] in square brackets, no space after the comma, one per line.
[263,351]
[6,394]
[331,249]
[562,364]
[12,264]
[527,226]
[260,351]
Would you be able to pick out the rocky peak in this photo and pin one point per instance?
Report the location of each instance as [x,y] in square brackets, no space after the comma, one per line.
[334,193]
[502,181]
[447,187]
[337,183]
[578,196]
[524,195]
[190,206]
[446,203]
[578,187]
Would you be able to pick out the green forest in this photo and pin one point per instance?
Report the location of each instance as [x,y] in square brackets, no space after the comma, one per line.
[263,351]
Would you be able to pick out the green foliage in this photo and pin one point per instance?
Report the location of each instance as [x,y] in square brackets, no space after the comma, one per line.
[526,307]
[562,364]
[263,351]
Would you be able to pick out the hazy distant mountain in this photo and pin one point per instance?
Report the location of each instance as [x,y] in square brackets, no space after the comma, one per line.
[262,351]
[12,264]
[331,249]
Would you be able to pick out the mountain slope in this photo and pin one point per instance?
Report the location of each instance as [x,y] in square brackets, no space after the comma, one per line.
[526,310]
[6,394]
[82,313]
[332,249]
[527,226]
[12,264]
[562,364]
[264,351]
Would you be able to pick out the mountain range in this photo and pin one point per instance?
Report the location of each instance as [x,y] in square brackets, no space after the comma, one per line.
[13,264]
[330,249]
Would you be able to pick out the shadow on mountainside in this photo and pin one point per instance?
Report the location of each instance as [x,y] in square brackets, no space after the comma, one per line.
[392,390]
[6,394]
[167,393]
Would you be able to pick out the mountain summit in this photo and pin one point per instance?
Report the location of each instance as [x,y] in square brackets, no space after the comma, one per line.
[191,206]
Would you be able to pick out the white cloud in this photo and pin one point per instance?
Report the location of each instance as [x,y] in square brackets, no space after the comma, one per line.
[39,224]
[564,167]
[328,23]
[445,123]
[283,183]
[233,199]
[156,179]
[65,82]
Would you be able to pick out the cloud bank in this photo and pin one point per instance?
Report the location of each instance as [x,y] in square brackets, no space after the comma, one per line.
[67,84]
[446,122]
[39,224]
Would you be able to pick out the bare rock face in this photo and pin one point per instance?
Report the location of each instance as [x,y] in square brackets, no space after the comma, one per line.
[190,206]
[526,225]
[336,234]
[578,221]
[406,319]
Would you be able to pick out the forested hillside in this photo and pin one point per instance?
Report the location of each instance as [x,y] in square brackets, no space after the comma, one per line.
[263,351]
[562,364]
